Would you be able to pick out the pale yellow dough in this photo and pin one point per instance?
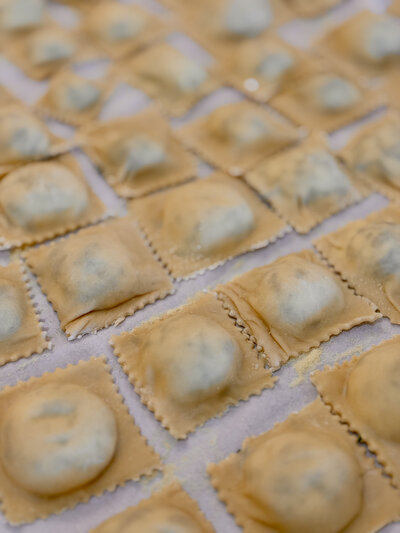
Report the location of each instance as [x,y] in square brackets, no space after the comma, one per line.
[24,138]
[374,154]
[392,90]
[99,276]
[394,8]
[223,25]
[264,66]
[305,475]
[292,305]
[306,184]
[41,200]
[191,364]
[44,50]
[327,100]
[365,393]
[366,253]
[74,99]
[6,97]
[21,15]
[368,44]
[20,331]
[206,222]
[170,510]
[138,154]
[57,438]
[176,81]
[121,29]
[312,8]
[236,136]
[64,437]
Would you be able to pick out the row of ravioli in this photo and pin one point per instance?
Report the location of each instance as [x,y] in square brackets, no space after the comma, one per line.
[367,45]
[104,273]
[141,154]
[100,275]
[301,178]
[327,92]
[67,436]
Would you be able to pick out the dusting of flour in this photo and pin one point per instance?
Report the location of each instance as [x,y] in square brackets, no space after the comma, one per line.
[305,364]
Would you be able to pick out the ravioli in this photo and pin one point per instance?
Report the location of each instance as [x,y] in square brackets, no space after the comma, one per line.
[170,509]
[236,136]
[121,29]
[292,305]
[99,276]
[294,459]
[24,138]
[306,184]
[315,8]
[374,153]
[44,50]
[20,331]
[41,200]
[191,364]
[17,15]
[11,310]
[6,97]
[305,475]
[369,43]
[366,253]
[390,88]
[365,393]
[64,437]
[138,154]
[326,100]
[74,99]
[223,25]
[175,80]
[262,67]
[204,223]
[57,438]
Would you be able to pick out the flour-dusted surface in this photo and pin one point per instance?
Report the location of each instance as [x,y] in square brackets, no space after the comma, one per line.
[187,460]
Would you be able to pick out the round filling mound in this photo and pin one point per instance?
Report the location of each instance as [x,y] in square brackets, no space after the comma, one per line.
[337,94]
[11,310]
[98,275]
[298,296]
[193,359]
[57,438]
[50,46]
[248,18]
[378,154]
[375,249]
[206,219]
[77,95]
[138,154]
[22,137]
[382,39]
[160,519]
[319,176]
[307,482]
[43,195]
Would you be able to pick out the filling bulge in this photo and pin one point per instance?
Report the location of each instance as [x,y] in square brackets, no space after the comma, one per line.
[206,219]
[57,438]
[41,196]
[198,363]
[307,482]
